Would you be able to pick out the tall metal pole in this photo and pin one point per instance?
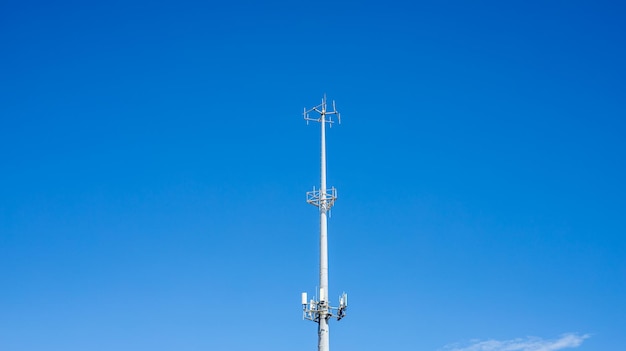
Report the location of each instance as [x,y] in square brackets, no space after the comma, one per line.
[319,310]
[323,332]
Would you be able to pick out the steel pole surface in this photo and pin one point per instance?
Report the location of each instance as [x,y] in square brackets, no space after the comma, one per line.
[323,332]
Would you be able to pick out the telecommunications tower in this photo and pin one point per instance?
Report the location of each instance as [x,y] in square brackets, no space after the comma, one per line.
[319,309]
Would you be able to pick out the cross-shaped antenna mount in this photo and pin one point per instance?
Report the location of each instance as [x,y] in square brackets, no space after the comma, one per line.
[324,114]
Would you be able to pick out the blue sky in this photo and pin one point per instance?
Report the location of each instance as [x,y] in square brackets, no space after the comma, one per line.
[155,164]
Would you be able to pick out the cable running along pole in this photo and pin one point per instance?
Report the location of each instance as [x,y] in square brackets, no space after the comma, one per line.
[319,309]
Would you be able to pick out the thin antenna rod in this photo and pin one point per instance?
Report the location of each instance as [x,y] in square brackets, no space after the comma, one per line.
[319,309]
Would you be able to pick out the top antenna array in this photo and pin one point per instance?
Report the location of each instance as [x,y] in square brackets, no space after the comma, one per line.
[324,114]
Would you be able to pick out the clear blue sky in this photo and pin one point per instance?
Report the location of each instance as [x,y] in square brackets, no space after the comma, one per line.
[154,167]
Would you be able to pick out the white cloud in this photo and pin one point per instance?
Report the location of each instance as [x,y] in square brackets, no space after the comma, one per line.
[521,344]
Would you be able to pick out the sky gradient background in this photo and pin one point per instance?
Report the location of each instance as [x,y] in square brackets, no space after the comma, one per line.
[155,163]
